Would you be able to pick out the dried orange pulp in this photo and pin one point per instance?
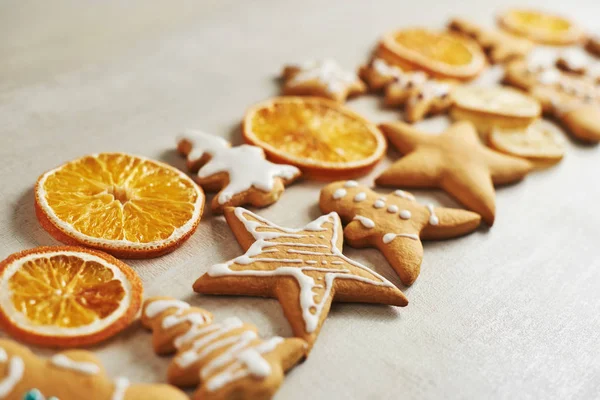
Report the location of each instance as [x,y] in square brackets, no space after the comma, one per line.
[66,296]
[541,27]
[126,205]
[321,137]
[442,54]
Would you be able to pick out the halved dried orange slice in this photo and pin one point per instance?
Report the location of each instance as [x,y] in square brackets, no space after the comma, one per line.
[441,54]
[66,296]
[541,27]
[126,205]
[321,137]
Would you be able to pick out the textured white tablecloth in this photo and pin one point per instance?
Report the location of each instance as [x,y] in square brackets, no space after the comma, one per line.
[510,312]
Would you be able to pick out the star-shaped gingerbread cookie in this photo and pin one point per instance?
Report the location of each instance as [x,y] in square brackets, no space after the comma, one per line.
[455,161]
[303,268]
[241,174]
[323,79]
[394,224]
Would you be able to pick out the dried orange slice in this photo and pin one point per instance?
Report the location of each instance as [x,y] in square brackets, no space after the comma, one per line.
[66,296]
[541,141]
[321,137]
[442,54]
[541,27]
[126,205]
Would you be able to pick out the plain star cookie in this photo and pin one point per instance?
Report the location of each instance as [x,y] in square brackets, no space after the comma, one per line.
[321,78]
[394,223]
[498,45]
[227,359]
[71,375]
[241,174]
[455,161]
[303,268]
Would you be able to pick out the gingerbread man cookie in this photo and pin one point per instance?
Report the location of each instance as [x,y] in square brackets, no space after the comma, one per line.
[394,224]
[228,359]
[572,99]
[323,79]
[241,174]
[303,268]
[498,45]
[419,95]
[455,161]
[71,375]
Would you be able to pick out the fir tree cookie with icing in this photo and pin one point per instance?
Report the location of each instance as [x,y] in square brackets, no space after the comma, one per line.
[72,375]
[394,223]
[241,174]
[455,161]
[227,359]
[303,268]
[323,79]
[574,100]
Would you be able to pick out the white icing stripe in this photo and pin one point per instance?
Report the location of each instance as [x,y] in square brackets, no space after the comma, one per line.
[366,222]
[15,371]
[338,194]
[62,361]
[311,309]
[327,72]
[193,318]
[433,219]
[195,331]
[121,385]
[388,237]
[157,307]
[246,165]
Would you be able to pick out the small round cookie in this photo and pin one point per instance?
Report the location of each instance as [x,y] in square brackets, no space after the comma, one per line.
[540,142]
[495,106]
[443,55]
[541,27]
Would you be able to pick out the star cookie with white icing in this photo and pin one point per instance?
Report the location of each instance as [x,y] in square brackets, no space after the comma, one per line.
[574,100]
[455,161]
[240,174]
[394,223]
[74,374]
[419,95]
[322,79]
[303,268]
[227,359]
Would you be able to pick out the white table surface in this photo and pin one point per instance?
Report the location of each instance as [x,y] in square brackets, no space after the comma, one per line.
[509,312]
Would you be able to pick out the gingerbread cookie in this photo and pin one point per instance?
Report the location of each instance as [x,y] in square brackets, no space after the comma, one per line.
[541,27]
[572,99]
[455,161]
[321,78]
[494,106]
[228,359]
[241,174]
[394,224]
[303,268]
[72,375]
[498,45]
[593,45]
[573,60]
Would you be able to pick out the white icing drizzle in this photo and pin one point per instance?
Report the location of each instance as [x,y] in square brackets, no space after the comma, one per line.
[405,214]
[386,70]
[388,237]
[351,184]
[339,193]
[549,76]
[392,209]
[404,195]
[433,219]
[328,72]
[311,309]
[15,371]
[121,385]
[379,203]
[64,362]
[366,222]
[575,59]
[159,306]
[362,196]
[246,165]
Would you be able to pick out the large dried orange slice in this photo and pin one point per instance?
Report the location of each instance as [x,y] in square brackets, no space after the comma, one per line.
[126,205]
[442,54]
[541,27]
[66,296]
[321,137]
